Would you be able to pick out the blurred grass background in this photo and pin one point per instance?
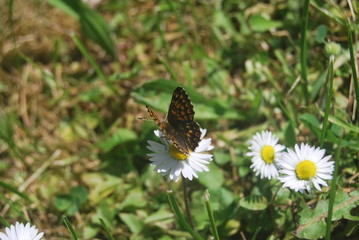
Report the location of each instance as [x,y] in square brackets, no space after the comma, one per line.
[74,80]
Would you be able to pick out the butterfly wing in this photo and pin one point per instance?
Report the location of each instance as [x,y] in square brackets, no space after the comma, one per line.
[181,117]
[181,128]
[192,135]
[174,134]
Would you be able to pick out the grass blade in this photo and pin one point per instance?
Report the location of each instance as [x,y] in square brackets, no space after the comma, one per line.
[92,23]
[109,236]
[354,70]
[10,205]
[92,61]
[256,233]
[303,51]
[3,221]
[169,69]
[69,227]
[14,190]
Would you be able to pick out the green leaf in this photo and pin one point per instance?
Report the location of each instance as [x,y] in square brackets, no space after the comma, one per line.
[259,23]
[72,201]
[161,215]
[222,24]
[67,7]
[101,185]
[63,202]
[93,95]
[221,157]
[97,29]
[132,222]
[220,198]
[79,194]
[254,202]
[311,226]
[311,122]
[107,212]
[134,200]
[283,195]
[321,33]
[289,135]
[92,23]
[317,85]
[216,75]
[90,232]
[312,221]
[347,126]
[213,179]
[343,205]
[121,136]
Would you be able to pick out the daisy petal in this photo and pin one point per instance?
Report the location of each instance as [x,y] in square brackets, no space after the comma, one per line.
[265,167]
[166,164]
[305,167]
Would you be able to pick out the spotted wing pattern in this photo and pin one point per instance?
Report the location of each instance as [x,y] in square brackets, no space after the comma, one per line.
[180,126]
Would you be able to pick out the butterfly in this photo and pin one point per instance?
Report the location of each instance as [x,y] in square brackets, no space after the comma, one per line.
[180,126]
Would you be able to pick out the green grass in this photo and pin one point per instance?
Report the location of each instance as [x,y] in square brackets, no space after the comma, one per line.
[73,89]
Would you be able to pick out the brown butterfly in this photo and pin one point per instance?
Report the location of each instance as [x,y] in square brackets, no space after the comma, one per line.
[180,126]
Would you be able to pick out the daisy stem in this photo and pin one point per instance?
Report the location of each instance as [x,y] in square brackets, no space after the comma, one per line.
[186,202]
[180,217]
[210,215]
[333,190]
[328,100]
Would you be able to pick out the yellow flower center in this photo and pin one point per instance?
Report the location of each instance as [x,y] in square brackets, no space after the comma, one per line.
[176,153]
[267,154]
[306,170]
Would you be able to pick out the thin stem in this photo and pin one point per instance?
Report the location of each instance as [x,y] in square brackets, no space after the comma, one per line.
[354,69]
[303,50]
[180,217]
[186,202]
[328,100]
[333,190]
[210,215]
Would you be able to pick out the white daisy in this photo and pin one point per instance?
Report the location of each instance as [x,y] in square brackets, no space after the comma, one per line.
[265,153]
[21,232]
[304,167]
[168,160]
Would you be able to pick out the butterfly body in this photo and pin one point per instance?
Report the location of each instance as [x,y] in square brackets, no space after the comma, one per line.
[180,126]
